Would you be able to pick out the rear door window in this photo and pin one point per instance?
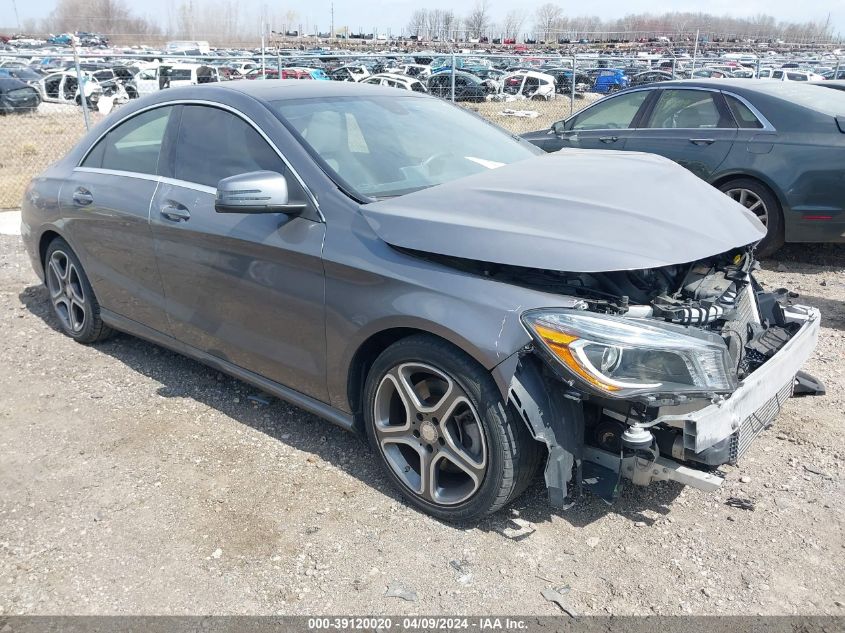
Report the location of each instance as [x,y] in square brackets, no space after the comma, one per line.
[132,146]
[686,109]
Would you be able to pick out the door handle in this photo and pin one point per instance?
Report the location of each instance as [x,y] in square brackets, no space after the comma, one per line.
[82,197]
[175,212]
[608,139]
[702,141]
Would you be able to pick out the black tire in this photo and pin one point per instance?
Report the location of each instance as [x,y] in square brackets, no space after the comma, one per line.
[91,328]
[513,456]
[775,232]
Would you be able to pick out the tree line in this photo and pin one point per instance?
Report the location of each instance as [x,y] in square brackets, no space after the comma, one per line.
[550,23]
[226,21]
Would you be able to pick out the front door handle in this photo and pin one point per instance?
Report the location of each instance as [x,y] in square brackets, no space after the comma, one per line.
[702,141]
[175,212]
[608,139]
[82,197]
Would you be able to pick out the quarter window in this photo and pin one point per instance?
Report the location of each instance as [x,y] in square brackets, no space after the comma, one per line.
[132,146]
[742,114]
[214,144]
[684,109]
[610,114]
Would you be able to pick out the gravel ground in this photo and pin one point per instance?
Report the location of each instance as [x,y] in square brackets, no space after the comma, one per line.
[135,481]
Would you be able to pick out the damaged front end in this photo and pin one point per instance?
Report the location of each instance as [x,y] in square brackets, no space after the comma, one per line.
[659,374]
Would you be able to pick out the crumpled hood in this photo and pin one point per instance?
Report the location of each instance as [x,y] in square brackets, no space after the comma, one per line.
[574,210]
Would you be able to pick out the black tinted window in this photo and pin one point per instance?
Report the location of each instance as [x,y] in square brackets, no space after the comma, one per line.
[133,145]
[214,144]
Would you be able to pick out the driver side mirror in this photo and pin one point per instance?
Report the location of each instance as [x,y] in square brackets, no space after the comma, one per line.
[255,192]
[559,127]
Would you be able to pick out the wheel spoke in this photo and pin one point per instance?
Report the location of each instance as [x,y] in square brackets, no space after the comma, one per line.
[393,383]
[403,384]
[460,458]
[55,284]
[63,310]
[428,476]
[77,315]
[60,260]
[445,407]
[74,286]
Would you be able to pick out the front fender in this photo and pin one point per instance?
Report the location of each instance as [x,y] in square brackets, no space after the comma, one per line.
[555,418]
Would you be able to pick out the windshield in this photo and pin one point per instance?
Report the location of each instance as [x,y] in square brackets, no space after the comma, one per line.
[388,146]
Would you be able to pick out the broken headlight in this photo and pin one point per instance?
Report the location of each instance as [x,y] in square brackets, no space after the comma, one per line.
[622,357]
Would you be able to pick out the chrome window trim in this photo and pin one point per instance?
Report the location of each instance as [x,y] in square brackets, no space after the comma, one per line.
[184,183]
[767,126]
[150,177]
[118,172]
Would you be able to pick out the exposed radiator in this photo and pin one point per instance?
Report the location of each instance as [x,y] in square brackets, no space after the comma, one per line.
[761,419]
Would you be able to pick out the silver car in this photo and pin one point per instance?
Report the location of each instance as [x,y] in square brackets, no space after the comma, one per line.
[409,271]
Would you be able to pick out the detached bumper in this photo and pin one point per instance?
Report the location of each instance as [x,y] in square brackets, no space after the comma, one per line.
[757,400]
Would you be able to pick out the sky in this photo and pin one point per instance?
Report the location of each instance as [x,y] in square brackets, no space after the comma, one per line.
[394,15]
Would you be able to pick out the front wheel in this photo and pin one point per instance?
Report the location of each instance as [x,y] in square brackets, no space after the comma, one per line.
[758,199]
[444,435]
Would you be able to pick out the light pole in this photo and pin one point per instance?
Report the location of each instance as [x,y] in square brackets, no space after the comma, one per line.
[17,17]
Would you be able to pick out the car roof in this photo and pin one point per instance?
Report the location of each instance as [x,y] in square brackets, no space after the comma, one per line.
[10,83]
[281,89]
[778,89]
[794,93]
[838,83]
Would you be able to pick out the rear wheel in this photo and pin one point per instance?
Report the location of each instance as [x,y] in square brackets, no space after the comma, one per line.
[71,295]
[443,432]
[758,199]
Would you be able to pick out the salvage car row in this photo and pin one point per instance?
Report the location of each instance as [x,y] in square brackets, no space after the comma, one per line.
[475,78]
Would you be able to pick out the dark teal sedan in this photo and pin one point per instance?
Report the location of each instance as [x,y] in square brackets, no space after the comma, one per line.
[778,148]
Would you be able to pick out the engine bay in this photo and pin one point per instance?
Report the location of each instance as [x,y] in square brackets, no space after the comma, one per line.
[718,294]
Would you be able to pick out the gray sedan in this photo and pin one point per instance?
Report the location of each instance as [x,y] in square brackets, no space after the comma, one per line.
[778,148]
[407,270]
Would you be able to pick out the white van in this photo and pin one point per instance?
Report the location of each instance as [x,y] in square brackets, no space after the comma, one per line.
[170,75]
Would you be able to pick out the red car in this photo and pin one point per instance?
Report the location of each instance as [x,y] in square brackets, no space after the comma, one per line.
[273,73]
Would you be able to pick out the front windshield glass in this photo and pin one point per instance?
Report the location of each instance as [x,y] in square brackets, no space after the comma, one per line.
[388,146]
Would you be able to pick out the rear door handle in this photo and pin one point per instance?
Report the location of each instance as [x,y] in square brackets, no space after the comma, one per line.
[702,141]
[608,139]
[175,212]
[82,197]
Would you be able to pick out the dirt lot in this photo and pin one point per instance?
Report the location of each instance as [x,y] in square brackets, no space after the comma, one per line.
[135,481]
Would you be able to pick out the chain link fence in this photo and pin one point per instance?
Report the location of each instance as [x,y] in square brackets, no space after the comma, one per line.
[519,93]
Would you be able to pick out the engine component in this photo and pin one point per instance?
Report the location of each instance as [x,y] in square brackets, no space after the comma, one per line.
[636,437]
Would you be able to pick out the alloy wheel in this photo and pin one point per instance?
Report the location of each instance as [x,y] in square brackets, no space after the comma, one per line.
[752,202]
[66,291]
[430,433]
